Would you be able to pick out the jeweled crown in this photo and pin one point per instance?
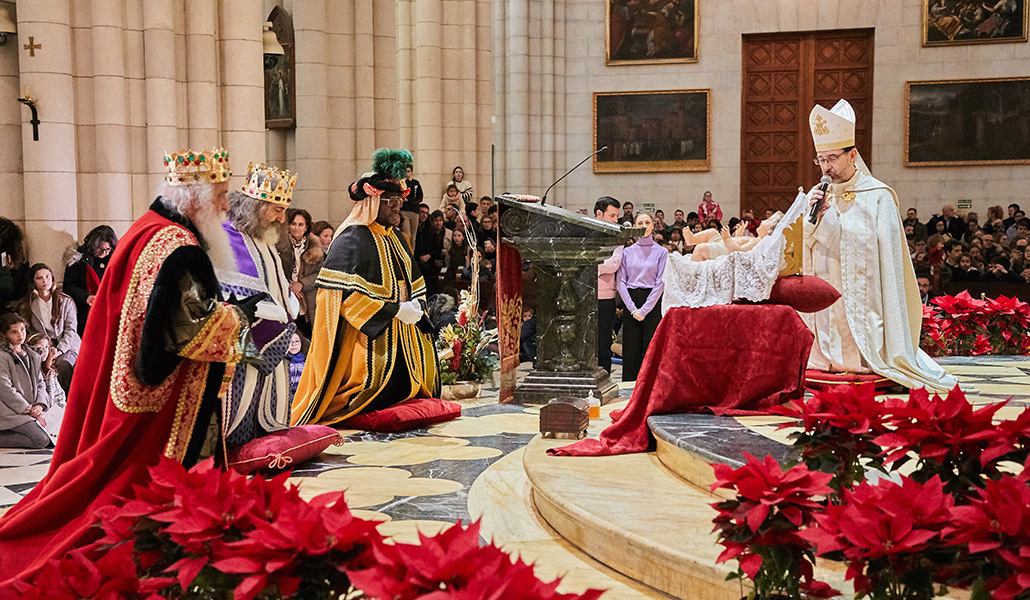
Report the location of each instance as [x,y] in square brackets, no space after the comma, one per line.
[269,184]
[186,167]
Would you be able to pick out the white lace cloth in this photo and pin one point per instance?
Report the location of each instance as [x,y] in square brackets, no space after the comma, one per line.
[738,275]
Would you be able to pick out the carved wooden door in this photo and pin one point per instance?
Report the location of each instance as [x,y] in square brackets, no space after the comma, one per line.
[784,76]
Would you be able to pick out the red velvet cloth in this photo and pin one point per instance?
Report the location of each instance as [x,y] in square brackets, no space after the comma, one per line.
[730,360]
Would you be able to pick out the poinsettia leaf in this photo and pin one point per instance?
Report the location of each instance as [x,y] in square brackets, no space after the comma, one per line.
[250,587]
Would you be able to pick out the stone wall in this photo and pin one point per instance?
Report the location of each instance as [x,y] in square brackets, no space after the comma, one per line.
[579,54]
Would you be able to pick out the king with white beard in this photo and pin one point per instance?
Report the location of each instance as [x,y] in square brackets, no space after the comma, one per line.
[858,245]
[258,401]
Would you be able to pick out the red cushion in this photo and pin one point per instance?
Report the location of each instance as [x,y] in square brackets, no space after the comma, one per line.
[410,414]
[822,380]
[805,293]
[283,449]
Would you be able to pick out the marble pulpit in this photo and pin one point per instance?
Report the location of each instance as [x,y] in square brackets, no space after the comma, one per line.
[564,248]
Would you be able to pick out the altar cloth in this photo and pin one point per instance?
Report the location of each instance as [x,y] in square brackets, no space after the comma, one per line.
[725,359]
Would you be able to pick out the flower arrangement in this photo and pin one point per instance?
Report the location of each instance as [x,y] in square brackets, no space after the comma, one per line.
[761,526]
[212,534]
[463,345]
[961,519]
[890,535]
[838,428]
[964,326]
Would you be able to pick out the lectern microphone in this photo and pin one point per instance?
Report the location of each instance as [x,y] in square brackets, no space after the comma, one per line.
[591,155]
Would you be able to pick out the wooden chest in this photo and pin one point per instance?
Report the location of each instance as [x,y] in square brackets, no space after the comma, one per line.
[565,417]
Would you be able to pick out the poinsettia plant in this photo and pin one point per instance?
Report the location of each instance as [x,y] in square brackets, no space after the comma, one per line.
[837,429]
[961,325]
[892,537]
[463,346]
[951,439]
[994,528]
[761,526]
[212,534]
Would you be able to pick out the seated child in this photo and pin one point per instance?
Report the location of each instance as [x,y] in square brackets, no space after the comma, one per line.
[40,344]
[295,356]
[23,395]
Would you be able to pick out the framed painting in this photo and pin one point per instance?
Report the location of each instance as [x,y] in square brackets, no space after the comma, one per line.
[280,85]
[651,132]
[642,33]
[967,122]
[954,22]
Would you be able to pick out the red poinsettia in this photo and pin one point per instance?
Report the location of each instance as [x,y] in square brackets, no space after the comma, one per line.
[964,326]
[759,528]
[995,527]
[109,575]
[949,438]
[452,565]
[838,428]
[886,533]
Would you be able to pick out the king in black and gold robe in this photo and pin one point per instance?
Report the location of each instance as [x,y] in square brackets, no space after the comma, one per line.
[362,357]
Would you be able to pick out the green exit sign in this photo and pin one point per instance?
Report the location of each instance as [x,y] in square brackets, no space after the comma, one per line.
[965,204]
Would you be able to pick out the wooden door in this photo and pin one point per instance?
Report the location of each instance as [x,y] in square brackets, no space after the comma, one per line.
[784,76]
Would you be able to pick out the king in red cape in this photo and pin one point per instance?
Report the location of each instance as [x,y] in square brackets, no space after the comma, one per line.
[158,346]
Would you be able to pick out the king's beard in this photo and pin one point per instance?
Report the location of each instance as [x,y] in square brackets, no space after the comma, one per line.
[208,220]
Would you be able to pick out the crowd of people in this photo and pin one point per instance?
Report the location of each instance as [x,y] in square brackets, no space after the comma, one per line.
[967,251]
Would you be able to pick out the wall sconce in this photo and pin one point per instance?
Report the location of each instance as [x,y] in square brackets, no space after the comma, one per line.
[272,47]
[6,25]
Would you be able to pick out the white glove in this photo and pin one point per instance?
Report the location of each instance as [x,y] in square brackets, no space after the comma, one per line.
[409,312]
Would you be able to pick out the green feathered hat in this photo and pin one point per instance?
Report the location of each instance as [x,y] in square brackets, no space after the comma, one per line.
[389,169]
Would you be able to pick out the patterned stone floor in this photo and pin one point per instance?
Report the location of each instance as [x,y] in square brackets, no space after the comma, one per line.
[422,480]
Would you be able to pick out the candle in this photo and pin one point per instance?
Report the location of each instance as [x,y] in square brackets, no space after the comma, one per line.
[26,91]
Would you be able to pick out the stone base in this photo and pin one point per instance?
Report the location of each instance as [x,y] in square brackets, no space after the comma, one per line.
[540,387]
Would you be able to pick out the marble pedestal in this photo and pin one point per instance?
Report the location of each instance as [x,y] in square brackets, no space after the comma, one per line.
[564,249]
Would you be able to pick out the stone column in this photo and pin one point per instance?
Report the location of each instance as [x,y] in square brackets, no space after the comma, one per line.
[428,94]
[162,135]
[201,76]
[104,169]
[312,133]
[51,199]
[517,88]
[243,87]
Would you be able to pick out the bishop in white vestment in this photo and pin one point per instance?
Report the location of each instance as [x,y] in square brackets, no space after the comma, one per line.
[858,245]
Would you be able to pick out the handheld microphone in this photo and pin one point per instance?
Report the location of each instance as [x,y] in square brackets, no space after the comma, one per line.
[818,206]
[591,155]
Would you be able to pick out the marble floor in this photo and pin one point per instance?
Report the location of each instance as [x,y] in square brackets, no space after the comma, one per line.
[472,468]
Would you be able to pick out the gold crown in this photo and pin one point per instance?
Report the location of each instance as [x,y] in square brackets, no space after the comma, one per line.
[269,184]
[188,168]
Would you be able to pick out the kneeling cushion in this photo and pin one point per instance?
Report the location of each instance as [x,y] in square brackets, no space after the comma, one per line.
[283,449]
[410,414]
[823,380]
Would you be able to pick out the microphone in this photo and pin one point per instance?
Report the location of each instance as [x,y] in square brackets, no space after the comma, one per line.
[591,155]
[818,206]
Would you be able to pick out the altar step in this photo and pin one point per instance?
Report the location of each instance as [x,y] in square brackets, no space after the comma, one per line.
[638,516]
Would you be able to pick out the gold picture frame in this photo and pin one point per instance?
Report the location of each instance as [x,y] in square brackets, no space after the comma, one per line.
[636,35]
[955,23]
[653,132]
[967,122]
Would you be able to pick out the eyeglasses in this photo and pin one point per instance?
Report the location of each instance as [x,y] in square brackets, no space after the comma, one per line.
[826,160]
[102,250]
[392,200]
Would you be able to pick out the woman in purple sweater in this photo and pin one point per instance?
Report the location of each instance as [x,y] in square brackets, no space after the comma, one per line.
[640,287]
